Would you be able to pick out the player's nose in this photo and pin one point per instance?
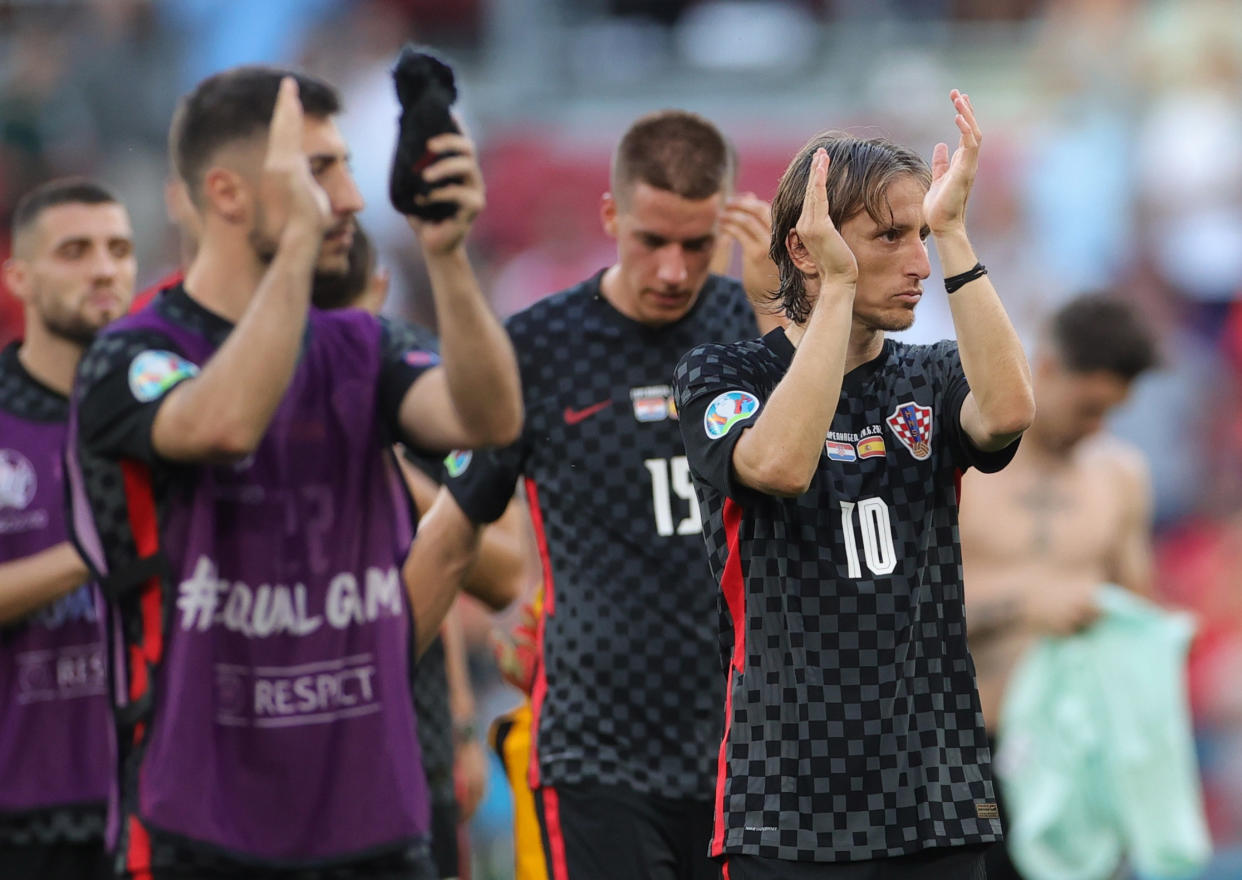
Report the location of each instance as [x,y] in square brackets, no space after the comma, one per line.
[345,197]
[919,265]
[672,265]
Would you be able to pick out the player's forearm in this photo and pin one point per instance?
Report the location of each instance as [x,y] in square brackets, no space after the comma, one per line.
[478,357]
[779,454]
[506,567]
[992,357]
[31,582]
[436,566]
[457,669]
[226,409]
[423,489]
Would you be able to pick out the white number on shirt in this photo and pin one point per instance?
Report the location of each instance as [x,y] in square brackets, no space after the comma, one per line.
[877,537]
[662,501]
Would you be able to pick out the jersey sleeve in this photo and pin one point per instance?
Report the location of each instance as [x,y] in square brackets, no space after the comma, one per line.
[954,389]
[482,481]
[406,353]
[121,383]
[717,398]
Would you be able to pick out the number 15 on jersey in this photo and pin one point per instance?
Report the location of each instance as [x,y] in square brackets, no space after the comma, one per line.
[673,473]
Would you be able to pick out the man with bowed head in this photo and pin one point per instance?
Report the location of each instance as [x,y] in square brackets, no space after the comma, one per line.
[826,459]
[233,485]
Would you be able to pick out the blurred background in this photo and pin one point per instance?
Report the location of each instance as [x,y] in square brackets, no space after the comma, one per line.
[1112,159]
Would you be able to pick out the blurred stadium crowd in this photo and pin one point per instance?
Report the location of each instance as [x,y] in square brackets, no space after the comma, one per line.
[1114,161]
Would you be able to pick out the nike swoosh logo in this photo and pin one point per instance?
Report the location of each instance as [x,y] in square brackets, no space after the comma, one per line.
[574,416]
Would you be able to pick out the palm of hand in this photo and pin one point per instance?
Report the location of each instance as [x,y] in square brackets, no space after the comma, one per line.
[945,202]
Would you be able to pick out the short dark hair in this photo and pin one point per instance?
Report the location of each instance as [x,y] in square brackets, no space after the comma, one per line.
[342,290]
[860,171]
[1098,332]
[232,106]
[673,150]
[62,191]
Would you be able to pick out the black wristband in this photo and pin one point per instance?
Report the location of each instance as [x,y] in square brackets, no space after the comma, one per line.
[954,282]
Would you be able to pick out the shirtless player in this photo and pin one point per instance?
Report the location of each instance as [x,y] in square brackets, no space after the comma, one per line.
[1073,509]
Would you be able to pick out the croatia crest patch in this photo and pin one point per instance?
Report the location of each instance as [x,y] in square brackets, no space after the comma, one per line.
[912,425]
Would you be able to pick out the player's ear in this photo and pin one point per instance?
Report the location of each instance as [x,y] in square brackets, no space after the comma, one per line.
[608,214]
[798,253]
[225,193]
[16,277]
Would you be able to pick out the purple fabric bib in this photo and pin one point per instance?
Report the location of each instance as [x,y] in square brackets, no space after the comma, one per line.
[283,726]
[55,745]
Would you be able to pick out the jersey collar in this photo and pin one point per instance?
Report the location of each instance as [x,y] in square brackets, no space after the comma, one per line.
[781,346]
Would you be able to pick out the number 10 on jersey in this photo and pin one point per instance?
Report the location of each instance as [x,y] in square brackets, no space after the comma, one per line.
[877,537]
[674,472]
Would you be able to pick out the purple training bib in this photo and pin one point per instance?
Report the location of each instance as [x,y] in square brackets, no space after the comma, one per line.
[283,727]
[55,726]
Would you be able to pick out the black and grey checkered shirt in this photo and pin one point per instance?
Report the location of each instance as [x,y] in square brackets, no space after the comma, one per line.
[854,729]
[630,688]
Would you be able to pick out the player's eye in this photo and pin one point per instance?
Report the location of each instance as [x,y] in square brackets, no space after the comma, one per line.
[698,245]
[121,248]
[890,235]
[652,242]
[72,250]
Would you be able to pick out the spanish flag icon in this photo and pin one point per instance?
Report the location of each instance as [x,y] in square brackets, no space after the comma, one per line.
[871,447]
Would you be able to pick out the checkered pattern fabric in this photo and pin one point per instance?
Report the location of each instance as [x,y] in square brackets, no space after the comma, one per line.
[632,684]
[23,396]
[854,729]
[435,722]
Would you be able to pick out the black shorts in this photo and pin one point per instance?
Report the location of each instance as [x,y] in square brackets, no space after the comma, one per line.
[611,833]
[940,863]
[413,864]
[55,861]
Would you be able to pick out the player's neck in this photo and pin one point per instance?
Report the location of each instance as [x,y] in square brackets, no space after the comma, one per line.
[865,343]
[50,359]
[864,346]
[224,276]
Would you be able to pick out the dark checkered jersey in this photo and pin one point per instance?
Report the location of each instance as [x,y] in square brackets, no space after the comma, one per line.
[853,727]
[629,688]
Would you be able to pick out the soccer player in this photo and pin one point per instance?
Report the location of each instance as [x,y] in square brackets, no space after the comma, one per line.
[826,456]
[234,484]
[624,702]
[73,268]
[1071,512]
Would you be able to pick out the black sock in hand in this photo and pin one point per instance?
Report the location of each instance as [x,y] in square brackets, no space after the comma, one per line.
[426,90]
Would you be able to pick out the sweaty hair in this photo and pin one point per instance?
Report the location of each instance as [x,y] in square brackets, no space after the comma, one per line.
[62,191]
[860,171]
[342,290]
[1096,332]
[234,106]
[672,150]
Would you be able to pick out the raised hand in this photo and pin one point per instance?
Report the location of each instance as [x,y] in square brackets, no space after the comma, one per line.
[824,244]
[289,193]
[748,220]
[944,206]
[444,236]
